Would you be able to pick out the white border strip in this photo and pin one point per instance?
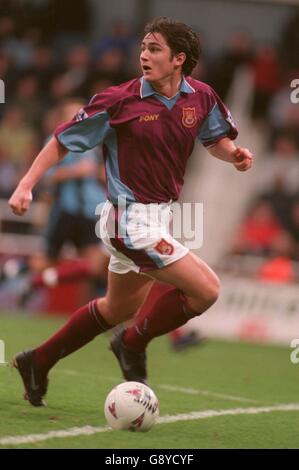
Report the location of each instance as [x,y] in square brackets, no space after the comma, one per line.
[194,415]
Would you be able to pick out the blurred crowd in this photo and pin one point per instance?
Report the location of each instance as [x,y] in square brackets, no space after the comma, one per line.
[270,228]
[47,55]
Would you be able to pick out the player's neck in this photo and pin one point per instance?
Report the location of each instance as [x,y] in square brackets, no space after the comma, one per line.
[168,87]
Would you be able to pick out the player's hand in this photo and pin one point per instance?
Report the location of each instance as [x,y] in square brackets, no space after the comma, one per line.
[20,200]
[243,159]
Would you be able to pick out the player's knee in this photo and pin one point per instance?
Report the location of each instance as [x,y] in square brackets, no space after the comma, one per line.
[207,297]
[211,295]
[119,312]
[213,291]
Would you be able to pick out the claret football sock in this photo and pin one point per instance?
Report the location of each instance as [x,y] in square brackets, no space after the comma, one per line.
[83,326]
[164,310]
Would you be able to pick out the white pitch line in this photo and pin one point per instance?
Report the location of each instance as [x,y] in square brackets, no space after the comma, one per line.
[194,415]
[173,388]
[71,432]
[230,412]
[193,391]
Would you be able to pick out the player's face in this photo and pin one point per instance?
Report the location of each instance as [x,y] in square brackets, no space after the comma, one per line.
[156,58]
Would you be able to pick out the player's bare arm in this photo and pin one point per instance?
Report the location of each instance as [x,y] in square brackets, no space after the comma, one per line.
[48,157]
[226,150]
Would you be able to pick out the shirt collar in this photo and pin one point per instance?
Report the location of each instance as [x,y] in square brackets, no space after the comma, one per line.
[147,90]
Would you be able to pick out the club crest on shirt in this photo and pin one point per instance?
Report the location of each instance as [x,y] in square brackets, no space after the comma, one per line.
[189,118]
[164,247]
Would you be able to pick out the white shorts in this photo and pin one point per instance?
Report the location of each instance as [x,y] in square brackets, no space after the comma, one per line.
[138,238]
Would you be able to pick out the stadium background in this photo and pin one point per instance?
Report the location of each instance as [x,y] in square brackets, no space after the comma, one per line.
[51,50]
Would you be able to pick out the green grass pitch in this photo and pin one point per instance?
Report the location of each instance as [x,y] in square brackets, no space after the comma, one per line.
[218,375]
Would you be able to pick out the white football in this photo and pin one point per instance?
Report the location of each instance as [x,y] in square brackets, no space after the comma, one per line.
[132,406]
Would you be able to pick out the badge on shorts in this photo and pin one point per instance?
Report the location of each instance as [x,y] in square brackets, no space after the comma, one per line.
[164,248]
[189,118]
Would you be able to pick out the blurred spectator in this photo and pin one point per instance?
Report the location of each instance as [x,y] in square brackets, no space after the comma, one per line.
[8,176]
[281,167]
[7,31]
[27,99]
[290,42]
[280,267]
[109,66]
[18,140]
[267,77]
[18,46]
[222,72]
[74,79]
[50,121]
[258,232]
[61,87]
[281,110]
[294,225]
[43,66]
[120,38]
[280,200]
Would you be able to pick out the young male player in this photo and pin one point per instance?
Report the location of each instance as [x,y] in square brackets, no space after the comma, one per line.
[148,127]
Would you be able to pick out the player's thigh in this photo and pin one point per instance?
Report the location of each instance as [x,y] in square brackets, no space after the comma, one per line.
[125,294]
[191,275]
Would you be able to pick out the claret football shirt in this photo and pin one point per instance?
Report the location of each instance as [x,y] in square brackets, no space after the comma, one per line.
[146,137]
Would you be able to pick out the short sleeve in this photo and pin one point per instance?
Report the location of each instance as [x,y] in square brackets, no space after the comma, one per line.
[217,124]
[87,129]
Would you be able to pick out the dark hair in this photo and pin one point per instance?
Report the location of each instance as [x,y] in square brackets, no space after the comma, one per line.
[179,37]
